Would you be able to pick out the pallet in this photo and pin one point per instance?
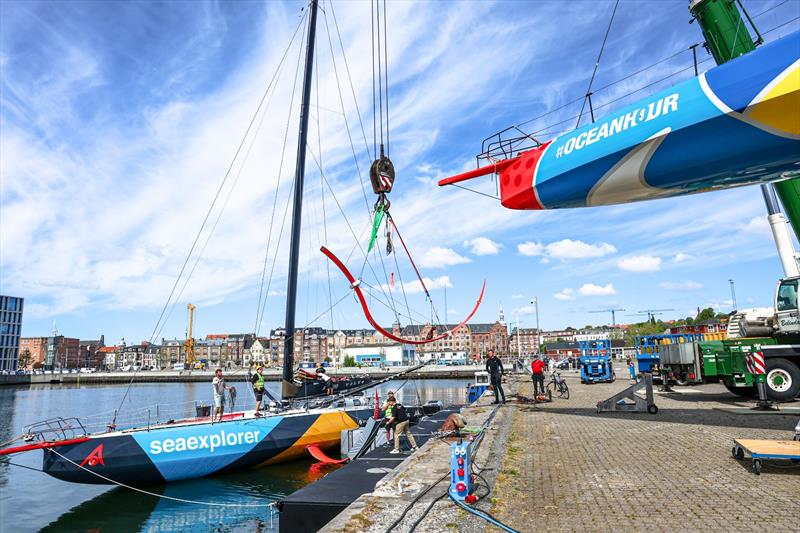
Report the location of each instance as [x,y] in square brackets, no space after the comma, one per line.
[765,449]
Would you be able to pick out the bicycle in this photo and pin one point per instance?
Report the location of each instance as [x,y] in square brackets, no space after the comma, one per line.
[557,384]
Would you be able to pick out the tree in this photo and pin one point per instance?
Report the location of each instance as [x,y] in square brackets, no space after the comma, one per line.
[328,360]
[349,361]
[705,314]
[25,358]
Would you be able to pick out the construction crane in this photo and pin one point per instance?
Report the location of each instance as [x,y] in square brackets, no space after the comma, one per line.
[188,345]
[651,313]
[613,314]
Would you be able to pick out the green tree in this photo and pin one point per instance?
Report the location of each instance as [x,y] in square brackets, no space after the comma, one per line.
[328,360]
[705,314]
[25,358]
[349,361]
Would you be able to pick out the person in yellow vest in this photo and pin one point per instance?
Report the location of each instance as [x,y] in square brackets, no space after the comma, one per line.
[258,387]
[388,407]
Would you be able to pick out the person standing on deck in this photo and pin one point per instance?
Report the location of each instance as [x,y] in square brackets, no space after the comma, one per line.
[401,424]
[494,366]
[387,408]
[258,388]
[218,383]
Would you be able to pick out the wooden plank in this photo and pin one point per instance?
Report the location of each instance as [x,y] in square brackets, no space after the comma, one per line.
[770,447]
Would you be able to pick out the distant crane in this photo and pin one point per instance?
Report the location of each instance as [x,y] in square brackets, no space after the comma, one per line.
[613,314]
[651,313]
[189,343]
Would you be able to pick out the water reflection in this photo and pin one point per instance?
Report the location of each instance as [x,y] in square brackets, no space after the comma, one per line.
[224,503]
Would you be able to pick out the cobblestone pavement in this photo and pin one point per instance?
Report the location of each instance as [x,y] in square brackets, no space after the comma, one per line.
[567,468]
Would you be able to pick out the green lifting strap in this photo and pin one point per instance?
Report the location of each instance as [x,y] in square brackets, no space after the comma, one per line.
[376,224]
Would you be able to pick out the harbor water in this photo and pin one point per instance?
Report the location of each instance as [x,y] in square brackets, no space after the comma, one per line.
[33,501]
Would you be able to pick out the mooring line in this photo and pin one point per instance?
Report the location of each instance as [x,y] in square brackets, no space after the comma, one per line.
[270,505]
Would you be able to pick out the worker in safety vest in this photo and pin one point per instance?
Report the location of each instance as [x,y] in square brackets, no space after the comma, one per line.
[388,408]
[537,369]
[258,387]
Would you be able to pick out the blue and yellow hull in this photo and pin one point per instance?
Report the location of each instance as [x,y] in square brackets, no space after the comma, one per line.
[192,449]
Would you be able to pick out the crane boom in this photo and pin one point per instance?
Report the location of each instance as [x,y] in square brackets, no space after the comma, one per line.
[189,344]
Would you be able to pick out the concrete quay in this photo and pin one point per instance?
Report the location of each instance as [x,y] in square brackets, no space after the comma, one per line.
[560,466]
[232,375]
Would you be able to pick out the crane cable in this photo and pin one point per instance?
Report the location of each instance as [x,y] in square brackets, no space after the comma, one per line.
[597,64]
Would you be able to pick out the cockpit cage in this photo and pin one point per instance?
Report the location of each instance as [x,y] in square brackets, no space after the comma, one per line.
[55,429]
[505,144]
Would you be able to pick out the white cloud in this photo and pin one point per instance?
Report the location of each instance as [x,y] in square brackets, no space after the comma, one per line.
[452,312]
[483,246]
[525,310]
[757,226]
[681,285]
[590,289]
[438,257]
[680,257]
[569,249]
[566,294]
[565,249]
[640,263]
[530,248]
[412,287]
[517,296]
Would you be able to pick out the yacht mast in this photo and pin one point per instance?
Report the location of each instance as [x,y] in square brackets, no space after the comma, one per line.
[289,389]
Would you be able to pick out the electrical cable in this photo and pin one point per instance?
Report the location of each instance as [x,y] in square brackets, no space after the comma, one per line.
[414,501]
[484,515]
[426,511]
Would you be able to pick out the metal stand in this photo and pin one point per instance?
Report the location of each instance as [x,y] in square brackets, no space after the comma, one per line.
[763,403]
[639,405]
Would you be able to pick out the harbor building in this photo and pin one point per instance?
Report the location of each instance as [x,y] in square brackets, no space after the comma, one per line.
[10,329]
[381,355]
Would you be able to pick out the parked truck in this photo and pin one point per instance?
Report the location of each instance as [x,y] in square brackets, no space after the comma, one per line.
[693,359]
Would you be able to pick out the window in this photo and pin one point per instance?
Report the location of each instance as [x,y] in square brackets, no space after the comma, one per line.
[787,295]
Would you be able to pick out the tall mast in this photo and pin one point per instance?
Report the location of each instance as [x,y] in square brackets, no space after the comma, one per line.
[288,388]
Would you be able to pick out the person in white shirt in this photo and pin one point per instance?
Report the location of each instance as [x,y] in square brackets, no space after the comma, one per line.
[219,386]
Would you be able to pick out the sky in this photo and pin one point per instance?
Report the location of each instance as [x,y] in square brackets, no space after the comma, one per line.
[121,123]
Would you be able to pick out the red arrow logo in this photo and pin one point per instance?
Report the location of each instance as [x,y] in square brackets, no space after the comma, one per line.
[95,458]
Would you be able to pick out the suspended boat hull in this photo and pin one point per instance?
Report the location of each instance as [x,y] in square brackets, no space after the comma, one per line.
[737,124]
[193,449]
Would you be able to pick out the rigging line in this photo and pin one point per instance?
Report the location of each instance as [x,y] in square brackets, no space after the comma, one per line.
[374,132]
[386,74]
[380,81]
[208,213]
[322,185]
[347,221]
[402,287]
[227,200]
[164,496]
[380,301]
[262,305]
[419,276]
[344,114]
[197,237]
[350,79]
[781,25]
[770,9]
[597,63]
[326,311]
[476,192]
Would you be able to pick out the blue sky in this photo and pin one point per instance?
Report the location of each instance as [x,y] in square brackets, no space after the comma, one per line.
[119,120]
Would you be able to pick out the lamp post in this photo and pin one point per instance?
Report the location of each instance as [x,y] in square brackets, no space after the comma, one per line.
[535,303]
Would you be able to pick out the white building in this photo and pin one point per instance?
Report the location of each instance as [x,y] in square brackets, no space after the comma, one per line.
[381,354]
[447,357]
[592,335]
